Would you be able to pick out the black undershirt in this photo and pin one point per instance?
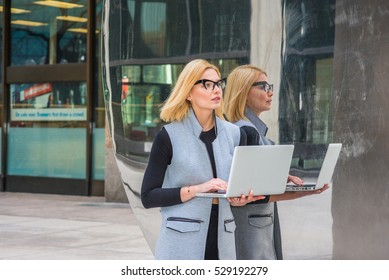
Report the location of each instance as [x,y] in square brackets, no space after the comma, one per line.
[208,137]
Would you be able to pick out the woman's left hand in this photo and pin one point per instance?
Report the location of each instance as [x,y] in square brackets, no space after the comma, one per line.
[295,180]
[243,200]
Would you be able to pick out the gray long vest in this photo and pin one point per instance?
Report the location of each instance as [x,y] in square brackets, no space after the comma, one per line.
[258,233]
[184,226]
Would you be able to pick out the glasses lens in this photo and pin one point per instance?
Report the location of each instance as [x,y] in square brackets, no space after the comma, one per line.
[264,86]
[209,85]
[221,84]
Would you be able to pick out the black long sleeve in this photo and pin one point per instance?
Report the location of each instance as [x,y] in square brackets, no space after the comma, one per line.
[152,194]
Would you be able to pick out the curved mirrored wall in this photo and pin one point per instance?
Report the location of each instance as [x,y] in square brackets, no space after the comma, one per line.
[147,43]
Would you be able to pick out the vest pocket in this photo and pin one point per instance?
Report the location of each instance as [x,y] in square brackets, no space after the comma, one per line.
[261,221]
[183,225]
[229,225]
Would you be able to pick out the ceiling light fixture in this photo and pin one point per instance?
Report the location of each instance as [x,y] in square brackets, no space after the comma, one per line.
[78,30]
[58,4]
[71,18]
[15,10]
[28,23]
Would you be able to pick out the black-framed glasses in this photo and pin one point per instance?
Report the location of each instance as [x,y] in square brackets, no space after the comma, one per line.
[208,84]
[264,86]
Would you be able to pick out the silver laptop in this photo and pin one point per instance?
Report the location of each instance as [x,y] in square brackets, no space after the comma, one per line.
[263,169]
[326,171]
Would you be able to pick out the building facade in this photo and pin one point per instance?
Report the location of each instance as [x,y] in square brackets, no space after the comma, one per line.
[52,113]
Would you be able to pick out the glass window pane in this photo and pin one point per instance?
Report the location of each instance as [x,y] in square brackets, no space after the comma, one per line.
[47,152]
[98,157]
[47,134]
[98,95]
[48,102]
[98,149]
[44,33]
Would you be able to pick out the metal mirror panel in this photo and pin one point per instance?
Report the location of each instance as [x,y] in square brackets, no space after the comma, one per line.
[324,82]
[360,204]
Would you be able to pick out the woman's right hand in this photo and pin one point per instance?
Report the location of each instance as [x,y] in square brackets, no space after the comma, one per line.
[213,185]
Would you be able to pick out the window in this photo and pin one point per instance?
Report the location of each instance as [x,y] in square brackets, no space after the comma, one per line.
[47,136]
[44,33]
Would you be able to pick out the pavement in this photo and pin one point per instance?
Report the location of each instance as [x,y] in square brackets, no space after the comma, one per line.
[60,227]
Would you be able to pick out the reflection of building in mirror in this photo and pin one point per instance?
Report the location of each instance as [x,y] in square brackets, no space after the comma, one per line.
[140,112]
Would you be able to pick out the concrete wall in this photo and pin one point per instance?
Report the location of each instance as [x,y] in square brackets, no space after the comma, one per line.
[360,202]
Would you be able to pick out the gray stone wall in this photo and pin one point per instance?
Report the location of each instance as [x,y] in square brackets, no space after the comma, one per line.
[360,203]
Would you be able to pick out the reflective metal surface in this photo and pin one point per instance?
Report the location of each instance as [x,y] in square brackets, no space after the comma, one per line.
[324,89]
[146,44]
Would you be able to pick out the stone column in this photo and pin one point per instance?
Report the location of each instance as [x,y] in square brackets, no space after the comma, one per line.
[360,204]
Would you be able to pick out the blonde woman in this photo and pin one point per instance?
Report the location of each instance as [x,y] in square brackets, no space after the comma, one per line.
[191,154]
[248,93]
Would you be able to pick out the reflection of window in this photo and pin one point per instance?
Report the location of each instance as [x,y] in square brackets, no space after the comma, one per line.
[140,111]
[143,88]
[131,74]
[153,26]
[160,74]
[305,111]
[173,28]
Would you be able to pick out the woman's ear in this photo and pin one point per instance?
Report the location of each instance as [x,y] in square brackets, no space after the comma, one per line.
[189,98]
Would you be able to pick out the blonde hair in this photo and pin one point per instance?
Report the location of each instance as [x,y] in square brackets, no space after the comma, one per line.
[239,83]
[176,106]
